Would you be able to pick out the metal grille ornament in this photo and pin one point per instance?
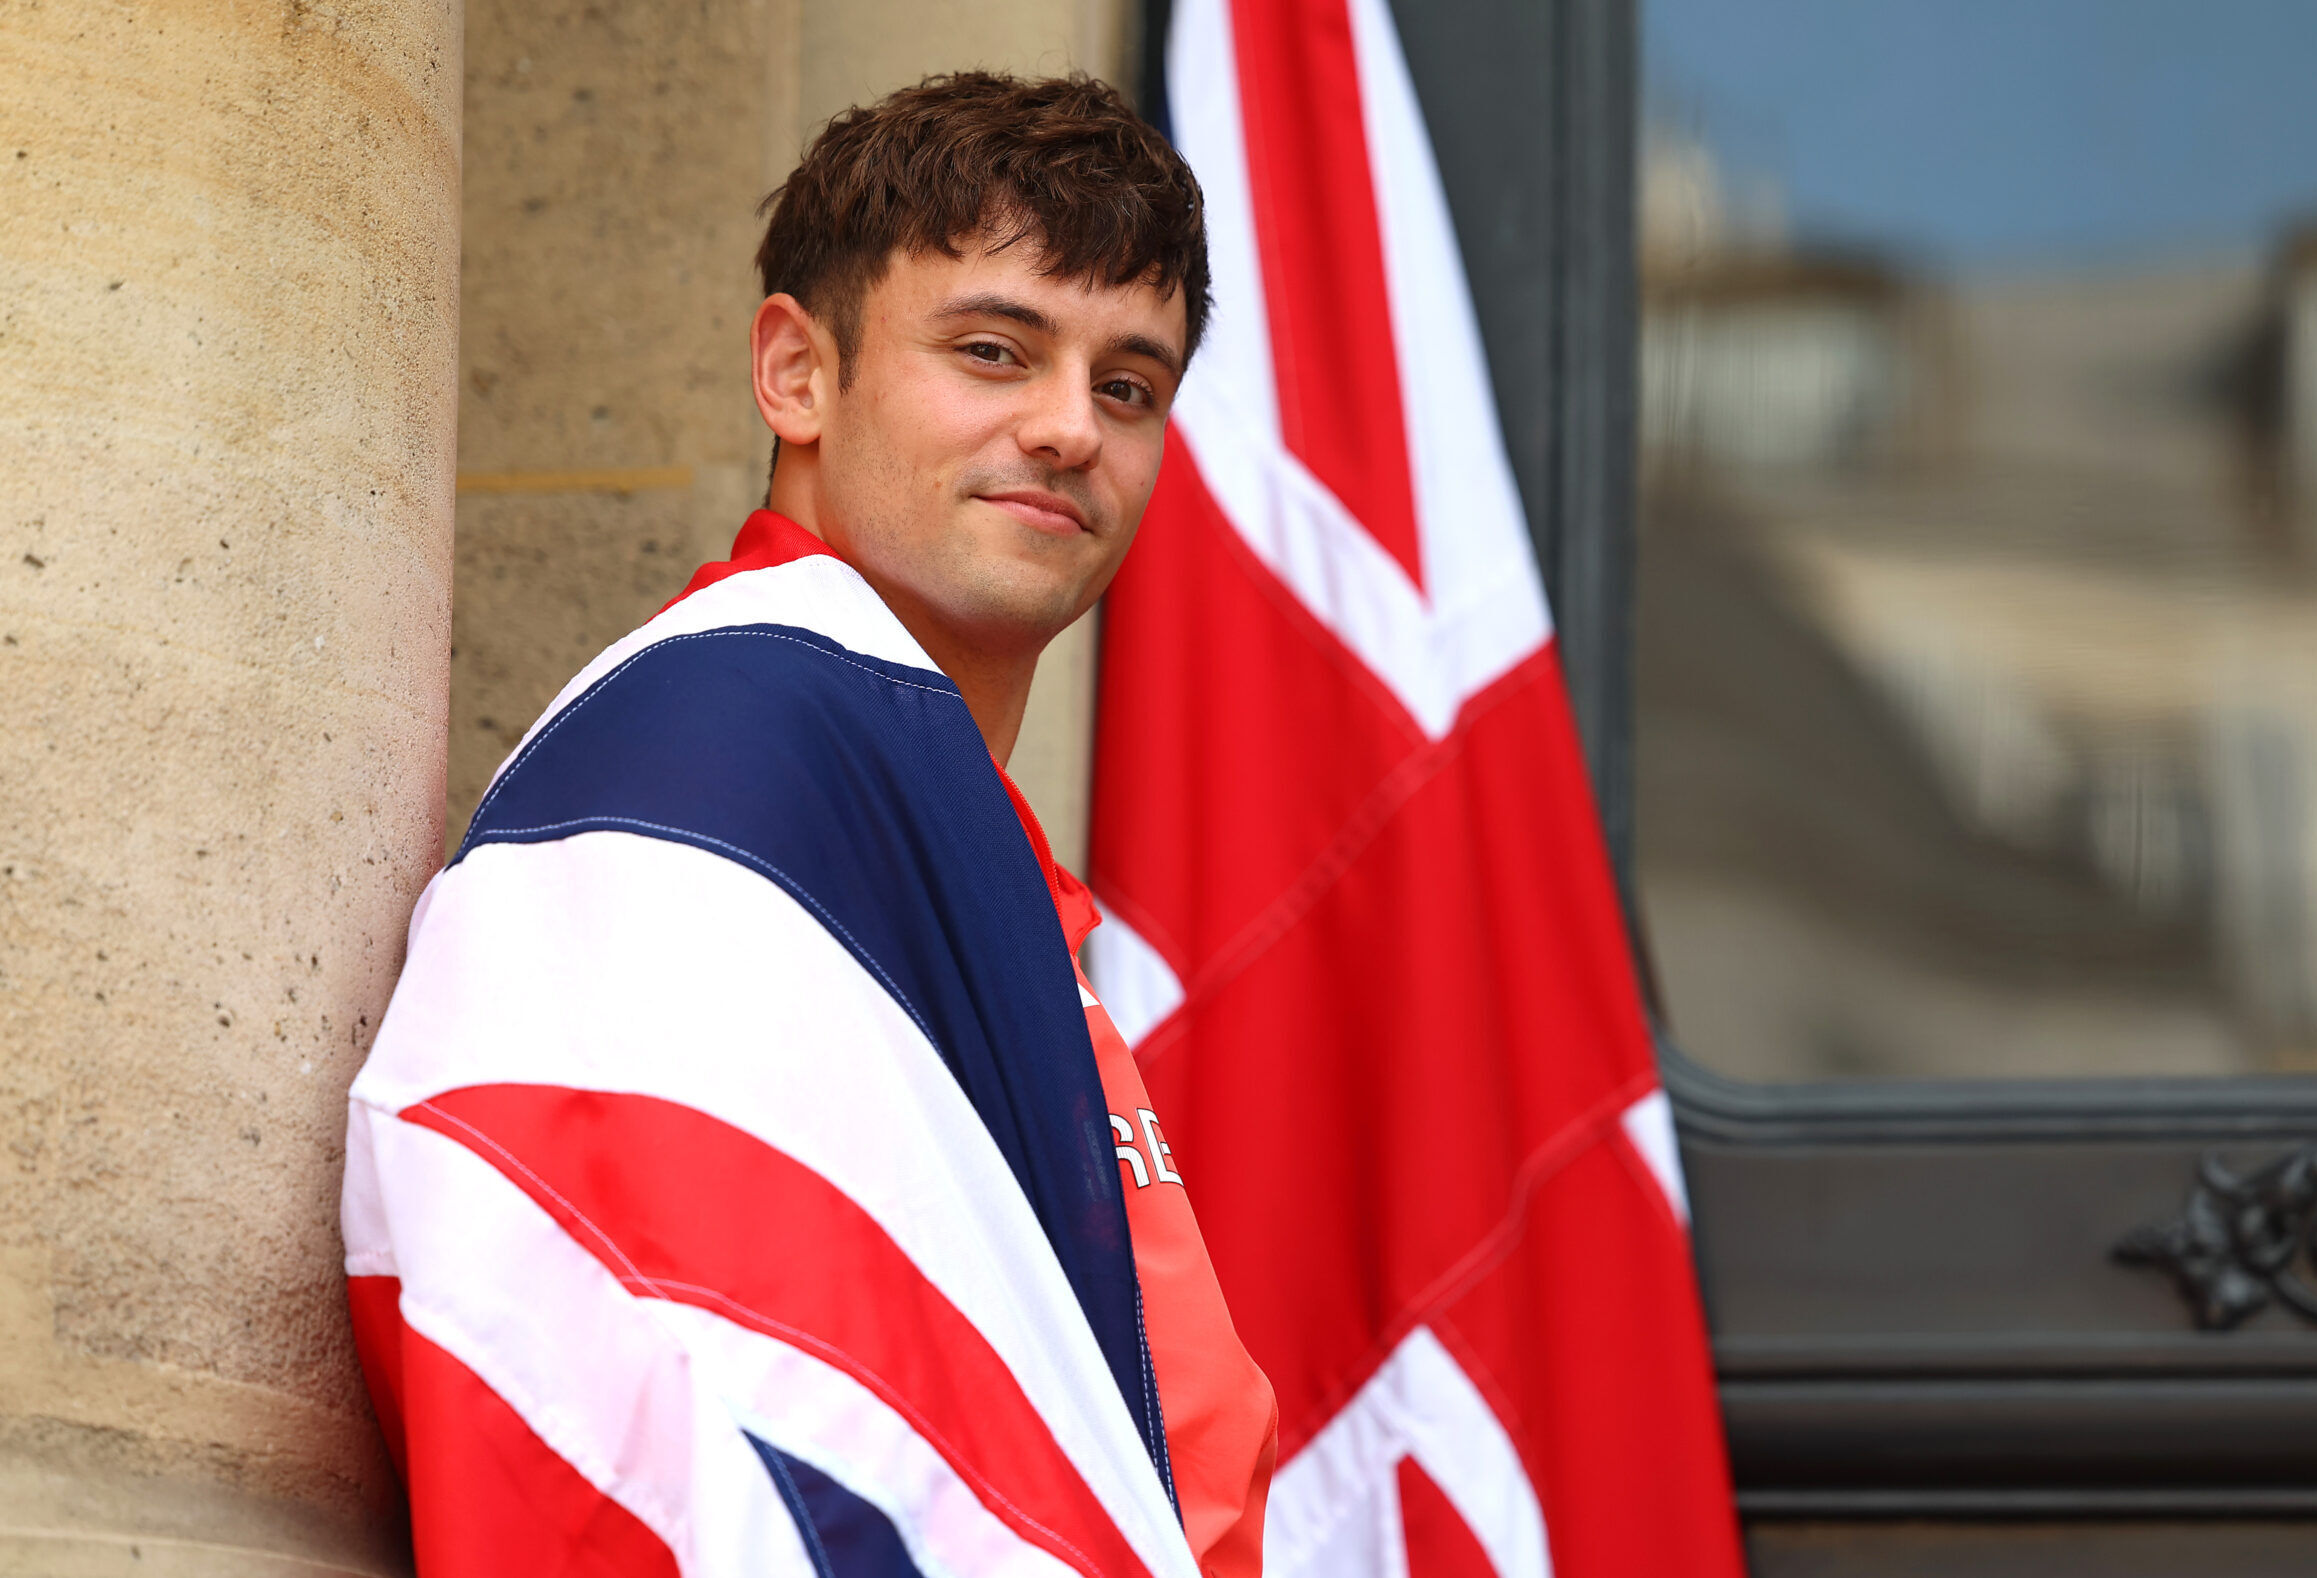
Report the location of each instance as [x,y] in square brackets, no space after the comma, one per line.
[2239,1242]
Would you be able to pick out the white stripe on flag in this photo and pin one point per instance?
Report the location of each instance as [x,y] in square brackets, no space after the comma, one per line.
[1648,1125]
[1138,989]
[1480,572]
[1203,101]
[361,1207]
[1335,1505]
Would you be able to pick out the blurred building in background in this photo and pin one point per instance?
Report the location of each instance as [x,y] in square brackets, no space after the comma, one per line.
[1978,648]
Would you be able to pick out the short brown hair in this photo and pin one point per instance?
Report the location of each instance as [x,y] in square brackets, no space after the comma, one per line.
[1060,162]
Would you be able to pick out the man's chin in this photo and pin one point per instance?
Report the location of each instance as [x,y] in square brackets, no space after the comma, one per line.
[1020,589]
[1011,614]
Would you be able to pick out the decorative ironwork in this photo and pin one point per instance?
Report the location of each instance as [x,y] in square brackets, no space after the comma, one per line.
[2240,1242]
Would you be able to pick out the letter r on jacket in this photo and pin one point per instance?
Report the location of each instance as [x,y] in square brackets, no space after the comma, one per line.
[1127,1153]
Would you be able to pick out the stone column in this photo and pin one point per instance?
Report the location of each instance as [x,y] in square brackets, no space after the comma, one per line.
[228,319]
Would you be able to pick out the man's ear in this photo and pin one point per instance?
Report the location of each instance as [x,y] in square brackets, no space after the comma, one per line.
[795,366]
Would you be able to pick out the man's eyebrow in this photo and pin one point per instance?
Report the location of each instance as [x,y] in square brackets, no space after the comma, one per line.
[1144,345]
[989,304]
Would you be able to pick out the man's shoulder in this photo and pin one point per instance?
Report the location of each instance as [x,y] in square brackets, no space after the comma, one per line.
[820,594]
[773,689]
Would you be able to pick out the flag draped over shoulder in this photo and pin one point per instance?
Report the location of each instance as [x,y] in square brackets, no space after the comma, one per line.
[1362,931]
[731,1190]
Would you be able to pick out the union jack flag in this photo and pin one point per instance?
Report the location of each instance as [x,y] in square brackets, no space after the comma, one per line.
[730,1190]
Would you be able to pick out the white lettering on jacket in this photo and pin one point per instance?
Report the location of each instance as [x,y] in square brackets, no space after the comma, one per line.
[1160,1155]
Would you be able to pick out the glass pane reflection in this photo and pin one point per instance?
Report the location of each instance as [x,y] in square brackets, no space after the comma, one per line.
[1978,585]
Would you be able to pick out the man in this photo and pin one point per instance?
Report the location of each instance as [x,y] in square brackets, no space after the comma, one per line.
[744,1180]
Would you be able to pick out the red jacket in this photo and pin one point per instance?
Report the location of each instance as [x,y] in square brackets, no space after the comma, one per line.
[1221,1420]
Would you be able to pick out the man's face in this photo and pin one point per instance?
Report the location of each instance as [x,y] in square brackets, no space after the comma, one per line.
[988,462]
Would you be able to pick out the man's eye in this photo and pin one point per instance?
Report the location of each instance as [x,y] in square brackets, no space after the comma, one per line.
[989,351]
[1125,389]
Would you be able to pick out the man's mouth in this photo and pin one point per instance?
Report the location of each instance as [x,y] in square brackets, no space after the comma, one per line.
[1046,512]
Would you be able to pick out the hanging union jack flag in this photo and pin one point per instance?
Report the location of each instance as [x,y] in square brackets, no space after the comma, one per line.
[1361,927]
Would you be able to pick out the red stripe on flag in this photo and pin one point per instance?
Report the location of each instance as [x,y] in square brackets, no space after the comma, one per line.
[680,1206]
[1440,1543]
[487,1496]
[1325,289]
[1591,1345]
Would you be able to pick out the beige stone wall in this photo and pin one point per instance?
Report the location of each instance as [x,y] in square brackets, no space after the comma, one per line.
[607,440]
[852,53]
[227,317]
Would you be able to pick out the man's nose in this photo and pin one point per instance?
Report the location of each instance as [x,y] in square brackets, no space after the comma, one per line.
[1062,426]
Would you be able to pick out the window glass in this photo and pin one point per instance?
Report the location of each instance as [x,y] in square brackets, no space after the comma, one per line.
[1977,661]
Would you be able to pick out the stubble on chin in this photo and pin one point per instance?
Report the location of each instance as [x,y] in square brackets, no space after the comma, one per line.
[1010,584]
[1014,574]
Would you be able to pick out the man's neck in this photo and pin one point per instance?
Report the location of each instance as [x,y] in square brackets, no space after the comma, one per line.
[995,685]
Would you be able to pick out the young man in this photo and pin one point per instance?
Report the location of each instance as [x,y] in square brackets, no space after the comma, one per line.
[744,1180]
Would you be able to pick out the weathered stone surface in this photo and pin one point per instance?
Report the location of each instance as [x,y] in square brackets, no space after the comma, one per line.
[228,312]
